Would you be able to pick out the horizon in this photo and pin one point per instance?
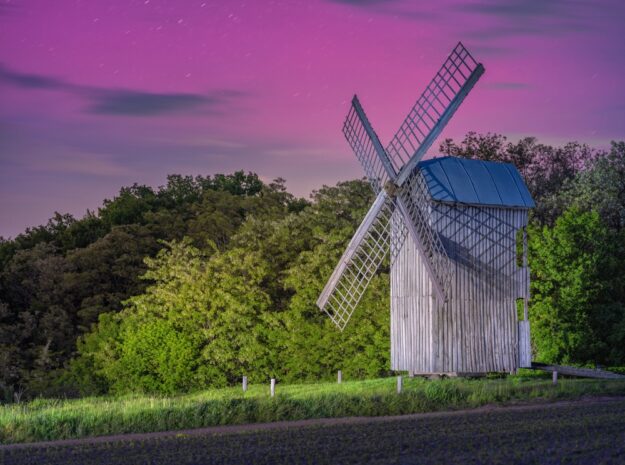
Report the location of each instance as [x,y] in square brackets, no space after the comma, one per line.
[100,96]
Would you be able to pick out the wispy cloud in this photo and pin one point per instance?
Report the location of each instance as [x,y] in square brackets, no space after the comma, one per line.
[364,3]
[506,85]
[411,11]
[126,102]
[138,103]
[489,50]
[209,142]
[31,81]
[515,9]
[84,163]
[528,17]
[8,8]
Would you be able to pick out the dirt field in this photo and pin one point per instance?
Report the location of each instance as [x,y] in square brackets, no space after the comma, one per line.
[587,432]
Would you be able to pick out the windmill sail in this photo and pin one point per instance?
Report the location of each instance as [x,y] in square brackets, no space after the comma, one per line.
[433,110]
[425,121]
[414,201]
[367,147]
[394,177]
[359,263]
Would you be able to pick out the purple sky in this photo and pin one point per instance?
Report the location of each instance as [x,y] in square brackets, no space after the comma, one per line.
[95,95]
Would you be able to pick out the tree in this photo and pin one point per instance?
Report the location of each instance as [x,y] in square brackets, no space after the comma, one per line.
[577,309]
[601,187]
[199,324]
[249,309]
[545,169]
[57,280]
[314,348]
[35,324]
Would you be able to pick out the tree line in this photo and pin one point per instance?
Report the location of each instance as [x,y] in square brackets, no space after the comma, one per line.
[204,279]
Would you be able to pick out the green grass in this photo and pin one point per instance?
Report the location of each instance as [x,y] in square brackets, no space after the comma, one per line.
[575,433]
[49,419]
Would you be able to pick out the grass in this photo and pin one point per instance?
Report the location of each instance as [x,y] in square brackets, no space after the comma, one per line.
[50,419]
[583,433]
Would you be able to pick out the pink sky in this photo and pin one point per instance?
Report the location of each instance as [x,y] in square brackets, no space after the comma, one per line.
[101,94]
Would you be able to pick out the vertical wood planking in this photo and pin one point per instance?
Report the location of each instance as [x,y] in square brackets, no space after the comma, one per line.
[476,330]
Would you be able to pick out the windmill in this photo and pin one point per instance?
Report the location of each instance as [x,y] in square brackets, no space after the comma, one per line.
[453,228]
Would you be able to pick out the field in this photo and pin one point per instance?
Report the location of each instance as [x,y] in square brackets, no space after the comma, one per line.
[571,432]
[49,419]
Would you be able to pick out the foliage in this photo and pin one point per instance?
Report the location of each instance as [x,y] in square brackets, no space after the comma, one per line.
[57,280]
[601,188]
[577,244]
[578,298]
[249,309]
[203,279]
[545,169]
[194,326]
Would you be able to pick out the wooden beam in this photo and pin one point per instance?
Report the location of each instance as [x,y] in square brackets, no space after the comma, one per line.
[574,371]
[377,145]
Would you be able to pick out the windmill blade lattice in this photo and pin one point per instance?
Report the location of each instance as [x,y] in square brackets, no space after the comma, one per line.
[402,194]
[374,161]
[366,145]
[362,258]
[434,108]
[416,206]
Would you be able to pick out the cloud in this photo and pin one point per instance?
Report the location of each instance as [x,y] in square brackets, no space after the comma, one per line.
[300,153]
[203,141]
[30,81]
[106,101]
[529,17]
[534,29]
[506,85]
[89,164]
[8,8]
[398,9]
[515,9]
[489,50]
[363,3]
[136,103]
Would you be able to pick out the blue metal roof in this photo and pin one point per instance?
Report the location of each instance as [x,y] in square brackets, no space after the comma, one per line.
[460,180]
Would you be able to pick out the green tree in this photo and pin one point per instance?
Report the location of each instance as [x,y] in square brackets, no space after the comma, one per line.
[601,187]
[576,308]
[314,347]
[208,313]
[57,280]
[546,170]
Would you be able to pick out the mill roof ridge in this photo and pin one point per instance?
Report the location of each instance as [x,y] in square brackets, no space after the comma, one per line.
[475,182]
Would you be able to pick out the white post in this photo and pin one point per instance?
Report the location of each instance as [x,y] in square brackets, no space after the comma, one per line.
[244,383]
[273,387]
[399,383]
[339,377]
[554,378]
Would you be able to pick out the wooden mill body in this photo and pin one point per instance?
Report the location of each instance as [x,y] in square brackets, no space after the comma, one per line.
[483,326]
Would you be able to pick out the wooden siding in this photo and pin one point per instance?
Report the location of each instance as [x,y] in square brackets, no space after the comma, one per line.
[525,351]
[477,329]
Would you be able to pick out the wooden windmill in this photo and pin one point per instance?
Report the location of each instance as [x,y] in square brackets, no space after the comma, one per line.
[454,228]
